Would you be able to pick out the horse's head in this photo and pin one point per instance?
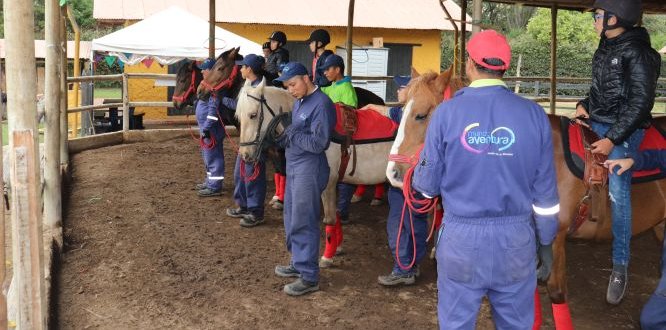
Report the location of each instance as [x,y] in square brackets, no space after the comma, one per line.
[221,75]
[424,94]
[255,110]
[187,79]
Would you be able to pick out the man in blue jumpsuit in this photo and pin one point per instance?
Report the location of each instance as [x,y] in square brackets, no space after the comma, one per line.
[249,194]
[211,130]
[305,142]
[489,154]
[396,201]
[653,316]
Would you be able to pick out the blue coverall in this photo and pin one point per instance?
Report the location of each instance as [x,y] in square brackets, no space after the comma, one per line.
[208,120]
[396,202]
[489,154]
[653,316]
[251,195]
[305,142]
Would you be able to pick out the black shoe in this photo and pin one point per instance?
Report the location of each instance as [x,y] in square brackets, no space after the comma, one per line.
[286,271]
[345,219]
[207,192]
[237,212]
[250,220]
[617,285]
[393,279]
[300,287]
[200,186]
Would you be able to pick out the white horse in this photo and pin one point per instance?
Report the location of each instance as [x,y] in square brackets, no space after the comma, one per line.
[257,106]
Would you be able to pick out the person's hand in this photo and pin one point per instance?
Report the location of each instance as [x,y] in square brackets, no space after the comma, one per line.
[603,146]
[545,262]
[624,164]
[205,134]
[581,113]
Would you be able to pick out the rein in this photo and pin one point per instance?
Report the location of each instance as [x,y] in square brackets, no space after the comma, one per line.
[412,201]
[222,84]
[181,98]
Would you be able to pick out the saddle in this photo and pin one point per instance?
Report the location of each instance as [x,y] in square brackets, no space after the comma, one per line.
[595,178]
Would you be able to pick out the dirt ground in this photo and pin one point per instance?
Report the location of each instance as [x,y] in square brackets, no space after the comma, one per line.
[142,251]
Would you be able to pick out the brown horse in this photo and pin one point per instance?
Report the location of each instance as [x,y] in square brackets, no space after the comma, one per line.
[188,78]
[648,199]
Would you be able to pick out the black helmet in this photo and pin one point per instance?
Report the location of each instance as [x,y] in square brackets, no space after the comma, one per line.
[320,35]
[628,11]
[266,45]
[278,36]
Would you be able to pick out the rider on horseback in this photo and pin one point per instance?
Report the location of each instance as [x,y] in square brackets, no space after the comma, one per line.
[624,78]
[278,55]
[317,42]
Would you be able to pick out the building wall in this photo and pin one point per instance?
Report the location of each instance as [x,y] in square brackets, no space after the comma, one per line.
[142,90]
[427,47]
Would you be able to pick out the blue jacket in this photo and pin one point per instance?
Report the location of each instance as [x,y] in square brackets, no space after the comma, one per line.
[206,112]
[305,140]
[650,159]
[319,78]
[231,103]
[489,154]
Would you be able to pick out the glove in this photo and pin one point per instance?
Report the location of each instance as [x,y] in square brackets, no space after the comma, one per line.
[545,253]
[205,134]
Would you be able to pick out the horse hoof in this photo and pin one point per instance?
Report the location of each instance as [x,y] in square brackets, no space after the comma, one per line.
[325,262]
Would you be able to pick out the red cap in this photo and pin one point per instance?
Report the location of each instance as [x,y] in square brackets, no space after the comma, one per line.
[489,44]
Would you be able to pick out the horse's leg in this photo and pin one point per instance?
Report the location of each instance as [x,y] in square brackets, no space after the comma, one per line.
[557,283]
[329,198]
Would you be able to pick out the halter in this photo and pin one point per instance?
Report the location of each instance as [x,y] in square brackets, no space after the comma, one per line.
[222,84]
[188,92]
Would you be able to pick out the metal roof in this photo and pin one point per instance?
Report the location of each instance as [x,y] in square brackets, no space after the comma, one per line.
[392,14]
[650,6]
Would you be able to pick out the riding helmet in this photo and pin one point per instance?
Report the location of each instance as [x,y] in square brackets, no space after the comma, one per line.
[278,36]
[320,35]
[628,11]
[266,45]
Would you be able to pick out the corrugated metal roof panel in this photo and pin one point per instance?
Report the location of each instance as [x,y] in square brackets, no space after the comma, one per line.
[393,14]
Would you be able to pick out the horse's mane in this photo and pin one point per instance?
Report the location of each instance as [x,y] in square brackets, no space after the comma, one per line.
[428,81]
[187,67]
[273,95]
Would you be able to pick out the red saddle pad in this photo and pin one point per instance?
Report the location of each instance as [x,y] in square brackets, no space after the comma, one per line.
[372,125]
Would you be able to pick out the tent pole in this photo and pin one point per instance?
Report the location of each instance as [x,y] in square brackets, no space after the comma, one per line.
[350,30]
[27,242]
[211,29]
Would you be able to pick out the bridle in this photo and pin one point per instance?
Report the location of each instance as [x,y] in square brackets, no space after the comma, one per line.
[222,84]
[261,141]
[190,90]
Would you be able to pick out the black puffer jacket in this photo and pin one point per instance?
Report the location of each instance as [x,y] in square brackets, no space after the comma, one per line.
[625,70]
[274,60]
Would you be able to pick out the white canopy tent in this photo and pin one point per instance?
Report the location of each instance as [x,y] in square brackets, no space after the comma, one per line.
[170,36]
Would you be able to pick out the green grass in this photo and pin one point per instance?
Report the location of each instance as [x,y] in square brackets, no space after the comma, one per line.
[108,93]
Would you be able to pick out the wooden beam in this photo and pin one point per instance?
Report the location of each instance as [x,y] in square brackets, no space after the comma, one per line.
[553,58]
[350,30]
[52,177]
[477,16]
[463,39]
[211,28]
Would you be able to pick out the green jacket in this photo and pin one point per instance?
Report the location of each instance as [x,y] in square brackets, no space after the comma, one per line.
[342,91]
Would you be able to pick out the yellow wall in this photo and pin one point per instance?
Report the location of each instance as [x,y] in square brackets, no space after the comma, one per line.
[425,57]
[142,90]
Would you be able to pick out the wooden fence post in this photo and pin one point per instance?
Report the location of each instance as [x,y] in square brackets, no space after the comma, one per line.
[27,233]
[126,108]
[64,124]
[52,176]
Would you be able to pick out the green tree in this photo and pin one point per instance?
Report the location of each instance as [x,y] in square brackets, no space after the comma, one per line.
[574,29]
